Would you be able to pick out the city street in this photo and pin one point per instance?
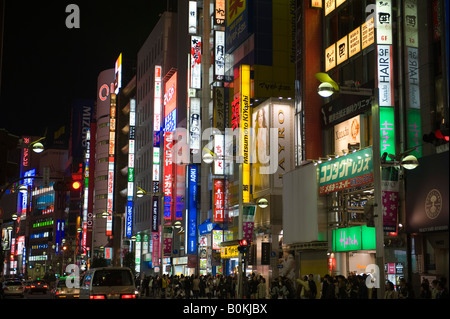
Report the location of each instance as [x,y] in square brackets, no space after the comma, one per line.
[225,149]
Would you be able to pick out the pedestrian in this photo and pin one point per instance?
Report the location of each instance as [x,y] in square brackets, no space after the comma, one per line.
[164,285]
[304,290]
[442,292]
[405,291]
[425,292]
[202,286]
[341,287]
[329,292]
[312,287]
[262,288]
[150,286]
[352,288]
[390,292]
[187,287]
[434,288]
[196,287]
[363,291]
[209,288]
[253,285]
[324,286]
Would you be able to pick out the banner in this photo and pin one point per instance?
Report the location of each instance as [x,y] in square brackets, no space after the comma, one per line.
[156,248]
[248,223]
[389,193]
[168,240]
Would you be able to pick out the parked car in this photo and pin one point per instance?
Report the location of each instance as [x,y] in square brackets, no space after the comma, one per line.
[38,286]
[108,283]
[61,291]
[13,288]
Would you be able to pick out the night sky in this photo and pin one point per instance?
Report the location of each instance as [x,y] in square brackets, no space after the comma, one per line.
[47,65]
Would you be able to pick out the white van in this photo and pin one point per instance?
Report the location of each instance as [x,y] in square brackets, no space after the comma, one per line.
[108,283]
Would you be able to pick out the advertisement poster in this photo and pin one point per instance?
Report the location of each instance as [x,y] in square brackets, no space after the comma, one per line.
[389,193]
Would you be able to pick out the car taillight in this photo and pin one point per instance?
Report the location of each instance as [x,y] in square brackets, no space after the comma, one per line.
[45,286]
[33,286]
[130,296]
[97,297]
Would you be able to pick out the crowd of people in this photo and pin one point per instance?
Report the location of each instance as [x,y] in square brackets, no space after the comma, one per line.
[255,287]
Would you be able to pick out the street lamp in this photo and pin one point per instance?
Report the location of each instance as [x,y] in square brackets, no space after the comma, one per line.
[328,87]
[140,192]
[262,203]
[37,146]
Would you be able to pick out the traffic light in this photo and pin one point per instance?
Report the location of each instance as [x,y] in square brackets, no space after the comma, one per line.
[68,184]
[76,185]
[243,246]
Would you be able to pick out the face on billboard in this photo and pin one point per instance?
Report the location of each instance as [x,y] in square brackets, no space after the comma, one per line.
[260,123]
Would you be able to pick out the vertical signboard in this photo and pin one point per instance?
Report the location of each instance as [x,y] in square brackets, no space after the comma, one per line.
[192,210]
[157,99]
[118,74]
[414,119]
[282,119]
[131,152]
[192,21]
[168,176]
[385,75]
[170,107]
[219,161]
[387,130]
[138,252]
[244,140]
[196,59]
[111,153]
[385,55]
[219,12]
[390,198]
[219,55]
[194,125]
[219,200]
[384,22]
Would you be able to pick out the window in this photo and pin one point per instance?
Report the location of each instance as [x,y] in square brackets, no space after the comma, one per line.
[112,277]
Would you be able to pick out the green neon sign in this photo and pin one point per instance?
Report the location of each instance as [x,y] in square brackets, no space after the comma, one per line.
[354,238]
[387,130]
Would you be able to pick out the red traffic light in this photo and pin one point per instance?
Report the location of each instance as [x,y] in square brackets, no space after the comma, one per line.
[76,185]
[243,242]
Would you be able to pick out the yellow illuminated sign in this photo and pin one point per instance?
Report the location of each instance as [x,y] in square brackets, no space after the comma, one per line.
[354,42]
[245,130]
[235,9]
[316,3]
[342,50]
[330,57]
[368,33]
[229,252]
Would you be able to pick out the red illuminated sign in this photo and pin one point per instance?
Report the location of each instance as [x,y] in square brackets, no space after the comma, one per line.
[218,200]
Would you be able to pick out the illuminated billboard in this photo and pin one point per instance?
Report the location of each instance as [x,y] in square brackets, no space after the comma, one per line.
[196,60]
[118,74]
[244,139]
[131,153]
[111,164]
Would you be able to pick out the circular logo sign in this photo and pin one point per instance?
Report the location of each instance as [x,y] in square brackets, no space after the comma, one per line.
[433,204]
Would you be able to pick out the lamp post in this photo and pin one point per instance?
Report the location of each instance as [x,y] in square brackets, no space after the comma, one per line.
[328,89]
